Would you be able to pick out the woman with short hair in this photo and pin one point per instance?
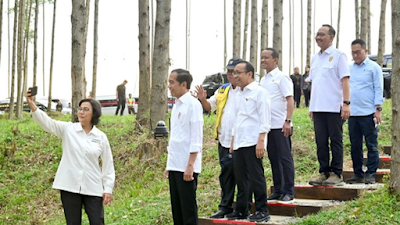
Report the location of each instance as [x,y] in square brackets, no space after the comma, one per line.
[80,179]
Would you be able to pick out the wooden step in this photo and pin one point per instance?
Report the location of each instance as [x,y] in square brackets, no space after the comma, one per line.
[387,149]
[380,173]
[275,220]
[340,193]
[384,162]
[300,207]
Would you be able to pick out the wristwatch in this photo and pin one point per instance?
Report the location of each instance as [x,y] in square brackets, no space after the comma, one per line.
[379,109]
[346,102]
[288,120]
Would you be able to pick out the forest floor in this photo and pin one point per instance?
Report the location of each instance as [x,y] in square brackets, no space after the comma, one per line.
[141,193]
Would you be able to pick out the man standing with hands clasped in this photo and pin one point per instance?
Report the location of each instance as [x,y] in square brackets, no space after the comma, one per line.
[329,107]
[366,84]
[184,148]
[253,122]
[279,146]
[223,102]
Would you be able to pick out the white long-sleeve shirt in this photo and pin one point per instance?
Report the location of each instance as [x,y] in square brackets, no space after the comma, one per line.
[79,170]
[253,107]
[186,134]
[228,116]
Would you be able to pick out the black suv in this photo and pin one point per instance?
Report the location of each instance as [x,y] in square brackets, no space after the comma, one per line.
[386,71]
[212,82]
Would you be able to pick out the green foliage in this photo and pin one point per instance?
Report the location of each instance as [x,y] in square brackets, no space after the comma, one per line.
[141,193]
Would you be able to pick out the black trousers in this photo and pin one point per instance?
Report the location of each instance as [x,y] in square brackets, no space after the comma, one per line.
[183,199]
[279,150]
[297,96]
[121,104]
[72,204]
[226,178]
[307,97]
[249,172]
[359,127]
[328,129]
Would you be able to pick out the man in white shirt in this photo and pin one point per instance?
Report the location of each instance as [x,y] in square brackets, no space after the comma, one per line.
[329,106]
[184,148]
[252,123]
[223,102]
[279,146]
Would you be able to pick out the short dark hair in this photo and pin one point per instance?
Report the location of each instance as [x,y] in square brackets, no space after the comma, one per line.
[331,31]
[183,76]
[249,67]
[360,42]
[96,109]
[275,53]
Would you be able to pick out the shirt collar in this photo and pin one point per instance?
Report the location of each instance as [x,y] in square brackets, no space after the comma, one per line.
[251,86]
[328,50]
[78,127]
[274,72]
[185,97]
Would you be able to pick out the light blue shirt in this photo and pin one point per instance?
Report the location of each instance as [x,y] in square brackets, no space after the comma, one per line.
[366,88]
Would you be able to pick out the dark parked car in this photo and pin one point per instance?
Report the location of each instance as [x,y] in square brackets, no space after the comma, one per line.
[212,82]
[387,73]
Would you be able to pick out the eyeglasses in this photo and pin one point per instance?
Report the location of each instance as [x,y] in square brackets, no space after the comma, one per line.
[85,109]
[358,52]
[320,34]
[237,73]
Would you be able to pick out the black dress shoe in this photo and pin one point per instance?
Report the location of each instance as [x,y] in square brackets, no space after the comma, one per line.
[274,196]
[220,214]
[370,179]
[286,198]
[235,215]
[355,180]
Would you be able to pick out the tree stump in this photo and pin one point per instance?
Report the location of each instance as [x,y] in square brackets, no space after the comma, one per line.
[151,149]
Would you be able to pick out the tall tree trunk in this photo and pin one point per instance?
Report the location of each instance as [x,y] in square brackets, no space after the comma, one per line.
[237,6]
[35,42]
[395,162]
[338,23]
[369,25]
[11,114]
[277,36]
[26,47]
[160,63]
[331,13]
[245,30]
[20,56]
[143,112]
[302,37]
[78,21]
[1,26]
[264,32]
[314,18]
[225,44]
[87,7]
[382,34]
[254,34]
[95,48]
[364,20]
[357,14]
[52,56]
[43,52]
[9,50]
[291,24]
[309,9]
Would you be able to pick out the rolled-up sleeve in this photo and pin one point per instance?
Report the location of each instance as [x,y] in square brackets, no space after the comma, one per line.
[213,101]
[196,129]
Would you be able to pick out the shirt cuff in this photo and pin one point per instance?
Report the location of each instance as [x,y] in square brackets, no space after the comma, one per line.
[265,128]
[195,148]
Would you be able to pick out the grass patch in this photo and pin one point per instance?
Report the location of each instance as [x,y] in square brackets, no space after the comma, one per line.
[141,194]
